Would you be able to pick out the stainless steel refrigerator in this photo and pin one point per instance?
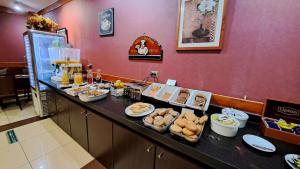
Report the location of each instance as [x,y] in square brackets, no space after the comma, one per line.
[39,65]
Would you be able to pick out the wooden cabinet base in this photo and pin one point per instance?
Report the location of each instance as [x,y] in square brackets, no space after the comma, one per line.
[78,124]
[63,116]
[168,160]
[100,139]
[131,151]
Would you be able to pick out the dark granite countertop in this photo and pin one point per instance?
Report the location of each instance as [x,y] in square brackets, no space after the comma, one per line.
[212,149]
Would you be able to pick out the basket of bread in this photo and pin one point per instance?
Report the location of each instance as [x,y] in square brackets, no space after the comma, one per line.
[188,125]
[160,119]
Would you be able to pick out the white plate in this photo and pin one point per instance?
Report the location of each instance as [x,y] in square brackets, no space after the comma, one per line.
[259,143]
[85,98]
[129,112]
[289,159]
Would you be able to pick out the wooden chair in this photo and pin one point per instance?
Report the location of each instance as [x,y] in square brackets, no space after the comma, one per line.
[8,89]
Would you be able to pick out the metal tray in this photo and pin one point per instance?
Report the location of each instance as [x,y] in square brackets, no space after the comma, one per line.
[183,136]
[146,92]
[160,129]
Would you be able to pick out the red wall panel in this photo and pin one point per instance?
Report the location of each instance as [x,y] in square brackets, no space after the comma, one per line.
[261,56]
[12,28]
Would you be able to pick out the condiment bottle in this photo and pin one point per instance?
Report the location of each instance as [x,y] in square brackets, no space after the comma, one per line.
[98,76]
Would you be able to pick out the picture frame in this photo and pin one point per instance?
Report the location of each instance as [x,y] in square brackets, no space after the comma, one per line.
[204,29]
[63,31]
[106,22]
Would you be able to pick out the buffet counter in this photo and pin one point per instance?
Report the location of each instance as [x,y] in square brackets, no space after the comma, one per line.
[212,149]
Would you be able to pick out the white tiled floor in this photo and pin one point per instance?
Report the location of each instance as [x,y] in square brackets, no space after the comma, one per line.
[12,113]
[3,118]
[42,145]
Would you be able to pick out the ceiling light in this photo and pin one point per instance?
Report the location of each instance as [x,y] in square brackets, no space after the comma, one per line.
[18,8]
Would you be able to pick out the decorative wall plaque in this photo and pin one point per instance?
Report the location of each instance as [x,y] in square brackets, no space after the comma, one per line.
[106,22]
[145,48]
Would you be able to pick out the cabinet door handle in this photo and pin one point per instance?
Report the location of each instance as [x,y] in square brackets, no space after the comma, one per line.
[160,155]
[149,148]
[88,114]
[82,113]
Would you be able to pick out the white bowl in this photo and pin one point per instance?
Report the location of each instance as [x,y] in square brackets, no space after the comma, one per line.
[241,116]
[222,129]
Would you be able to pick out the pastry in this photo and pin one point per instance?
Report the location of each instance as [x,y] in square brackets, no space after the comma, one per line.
[187,132]
[176,128]
[149,119]
[161,112]
[199,129]
[166,95]
[190,116]
[154,90]
[200,101]
[191,126]
[185,110]
[182,115]
[93,93]
[196,121]
[154,114]
[158,117]
[173,113]
[167,119]
[183,96]
[191,138]
[181,122]
[168,110]
[203,119]
[139,107]
[158,121]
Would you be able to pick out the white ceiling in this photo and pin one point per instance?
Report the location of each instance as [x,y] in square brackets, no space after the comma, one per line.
[27,5]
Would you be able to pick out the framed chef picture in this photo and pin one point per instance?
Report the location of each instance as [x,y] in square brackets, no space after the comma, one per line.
[106,22]
[200,24]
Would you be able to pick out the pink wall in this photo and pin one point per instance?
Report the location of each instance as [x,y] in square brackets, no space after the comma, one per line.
[12,27]
[260,59]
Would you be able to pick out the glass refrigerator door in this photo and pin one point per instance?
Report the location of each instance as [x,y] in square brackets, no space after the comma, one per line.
[29,61]
[42,59]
